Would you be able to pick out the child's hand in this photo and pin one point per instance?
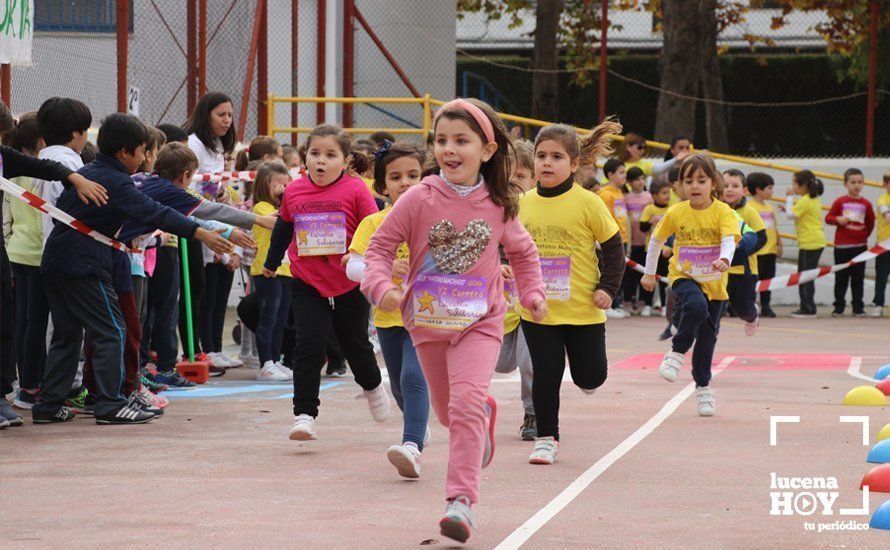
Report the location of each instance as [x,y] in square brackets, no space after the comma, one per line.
[241,239]
[266,221]
[779,249]
[602,299]
[720,265]
[400,268]
[88,190]
[391,300]
[539,310]
[269,274]
[789,192]
[234,263]
[648,282]
[842,221]
[507,272]
[344,260]
[214,241]
[667,251]
[887,215]
[780,208]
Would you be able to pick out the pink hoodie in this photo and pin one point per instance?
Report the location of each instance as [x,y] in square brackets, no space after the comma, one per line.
[454,281]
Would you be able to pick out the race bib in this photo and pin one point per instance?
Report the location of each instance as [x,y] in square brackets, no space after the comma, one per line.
[769,220]
[320,234]
[449,302]
[511,294]
[556,273]
[635,210]
[854,211]
[696,261]
[620,209]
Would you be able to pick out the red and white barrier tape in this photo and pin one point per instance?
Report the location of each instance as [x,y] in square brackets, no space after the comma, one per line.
[215,177]
[60,215]
[794,279]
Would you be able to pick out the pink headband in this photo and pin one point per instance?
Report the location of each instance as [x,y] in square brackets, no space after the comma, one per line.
[474,111]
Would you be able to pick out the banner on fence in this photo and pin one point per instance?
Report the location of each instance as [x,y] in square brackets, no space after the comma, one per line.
[16,32]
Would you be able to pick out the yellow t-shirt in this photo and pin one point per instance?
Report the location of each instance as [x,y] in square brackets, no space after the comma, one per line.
[808,221]
[882,207]
[263,238]
[768,215]
[753,220]
[566,229]
[511,317]
[697,243]
[614,199]
[360,241]
[652,214]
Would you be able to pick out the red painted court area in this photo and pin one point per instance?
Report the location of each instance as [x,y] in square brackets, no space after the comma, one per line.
[637,466]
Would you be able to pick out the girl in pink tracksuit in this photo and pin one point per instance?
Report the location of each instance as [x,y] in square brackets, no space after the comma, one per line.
[453,305]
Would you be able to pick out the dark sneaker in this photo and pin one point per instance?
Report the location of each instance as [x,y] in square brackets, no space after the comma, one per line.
[859,314]
[768,313]
[836,313]
[336,371]
[529,429]
[127,414]
[62,414]
[138,400]
[25,399]
[174,381]
[215,371]
[6,412]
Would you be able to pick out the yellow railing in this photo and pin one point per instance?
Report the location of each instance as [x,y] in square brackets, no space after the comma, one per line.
[426,102]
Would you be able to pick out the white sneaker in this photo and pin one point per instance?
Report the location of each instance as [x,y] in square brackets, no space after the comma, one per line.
[406,459]
[706,404]
[233,362]
[617,313]
[249,361]
[646,312]
[670,365]
[378,403]
[285,370]
[303,428]
[751,328]
[457,522]
[271,373]
[217,360]
[877,311]
[545,451]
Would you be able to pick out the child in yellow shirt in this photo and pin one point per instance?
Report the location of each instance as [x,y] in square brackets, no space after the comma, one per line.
[612,194]
[567,222]
[807,216]
[706,232]
[760,188]
[397,166]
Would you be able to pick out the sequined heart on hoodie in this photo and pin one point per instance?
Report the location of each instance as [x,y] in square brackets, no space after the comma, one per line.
[456,252]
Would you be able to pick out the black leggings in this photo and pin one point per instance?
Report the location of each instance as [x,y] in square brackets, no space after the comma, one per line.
[217,285]
[766,269]
[31,314]
[548,346]
[314,315]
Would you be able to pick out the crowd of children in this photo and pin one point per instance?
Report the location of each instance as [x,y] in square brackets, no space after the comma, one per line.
[477,254]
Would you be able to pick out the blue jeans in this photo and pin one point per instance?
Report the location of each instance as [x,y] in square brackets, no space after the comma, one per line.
[699,324]
[273,297]
[407,382]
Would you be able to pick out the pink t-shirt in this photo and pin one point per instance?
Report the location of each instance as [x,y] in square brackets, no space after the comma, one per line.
[324,221]
[635,203]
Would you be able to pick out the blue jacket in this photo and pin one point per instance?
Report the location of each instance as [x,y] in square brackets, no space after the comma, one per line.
[73,254]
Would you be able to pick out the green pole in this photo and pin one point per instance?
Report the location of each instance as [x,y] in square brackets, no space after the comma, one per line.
[184,251]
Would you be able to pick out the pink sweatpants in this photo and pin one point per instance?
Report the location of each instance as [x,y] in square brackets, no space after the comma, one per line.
[458,377]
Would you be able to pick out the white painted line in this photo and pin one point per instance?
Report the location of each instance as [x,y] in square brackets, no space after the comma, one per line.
[775,420]
[853,370]
[864,420]
[525,531]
